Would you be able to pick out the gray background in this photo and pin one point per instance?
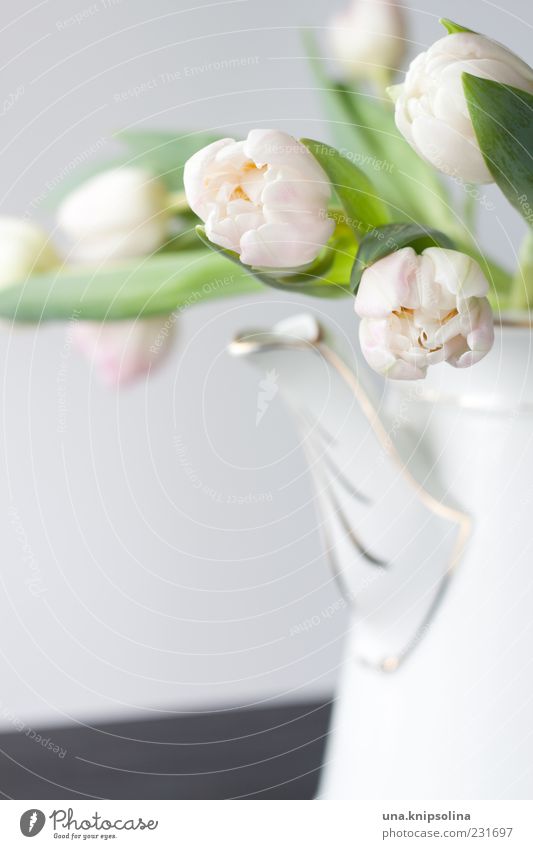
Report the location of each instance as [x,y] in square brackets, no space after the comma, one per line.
[152,592]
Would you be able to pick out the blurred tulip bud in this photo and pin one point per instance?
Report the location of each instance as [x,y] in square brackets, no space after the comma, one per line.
[431,108]
[418,310]
[24,249]
[266,198]
[118,214]
[368,39]
[121,351]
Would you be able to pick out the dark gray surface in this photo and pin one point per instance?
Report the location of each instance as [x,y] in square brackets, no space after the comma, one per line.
[270,753]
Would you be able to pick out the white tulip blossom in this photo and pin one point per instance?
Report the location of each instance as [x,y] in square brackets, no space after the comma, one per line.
[24,249]
[120,213]
[418,310]
[266,198]
[431,108]
[368,38]
[121,351]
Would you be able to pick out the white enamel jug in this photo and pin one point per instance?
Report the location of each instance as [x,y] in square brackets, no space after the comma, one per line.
[426,497]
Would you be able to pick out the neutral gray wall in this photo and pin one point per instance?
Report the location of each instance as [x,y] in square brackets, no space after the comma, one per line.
[157,593]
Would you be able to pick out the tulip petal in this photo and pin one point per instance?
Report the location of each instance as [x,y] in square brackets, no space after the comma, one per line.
[285,245]
[457,272]
[388,285]
[431,109]
[194,175]
[449,150]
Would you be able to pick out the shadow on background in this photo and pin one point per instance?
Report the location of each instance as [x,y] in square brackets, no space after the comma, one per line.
[269,753]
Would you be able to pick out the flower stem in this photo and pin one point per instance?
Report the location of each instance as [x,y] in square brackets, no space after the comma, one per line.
[522,288]
[178,203]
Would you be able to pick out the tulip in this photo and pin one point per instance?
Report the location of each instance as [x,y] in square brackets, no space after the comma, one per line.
[418,310]
[265,198]
[24,249]
[118,214]
[368,39]
[431,108]
[121,351]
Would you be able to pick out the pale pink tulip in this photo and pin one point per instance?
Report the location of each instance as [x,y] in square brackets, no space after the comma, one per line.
[121,351]
[265,198]
[431,108]
[118,215]
[25,249]
[418,310]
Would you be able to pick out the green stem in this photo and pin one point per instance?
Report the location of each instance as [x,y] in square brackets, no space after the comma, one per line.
[522,289]
[469,211]
[178,203]
[383,78]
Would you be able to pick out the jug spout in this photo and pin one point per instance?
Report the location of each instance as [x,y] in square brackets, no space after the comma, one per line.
[391,542]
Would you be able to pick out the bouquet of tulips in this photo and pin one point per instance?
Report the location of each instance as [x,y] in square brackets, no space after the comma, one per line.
[183,218]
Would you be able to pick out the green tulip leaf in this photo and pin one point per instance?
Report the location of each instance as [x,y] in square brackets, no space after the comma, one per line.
[385,240]
[321,279]
[363,208]
[155,285]
[503,122]
[365,131]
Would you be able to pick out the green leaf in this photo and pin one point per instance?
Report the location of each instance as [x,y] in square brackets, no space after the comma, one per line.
[155,285]
[364,129]
[363,208]
[500,278]
[503,122]
[385,240]
[452,27]
[521,296]
[320,279]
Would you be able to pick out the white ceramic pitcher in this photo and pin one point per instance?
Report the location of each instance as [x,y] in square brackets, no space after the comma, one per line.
[426,495]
